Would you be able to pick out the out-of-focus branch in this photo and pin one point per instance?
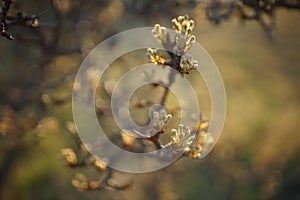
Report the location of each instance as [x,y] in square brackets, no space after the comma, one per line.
[218,10]
[23,19]
[3,26]
[19,19]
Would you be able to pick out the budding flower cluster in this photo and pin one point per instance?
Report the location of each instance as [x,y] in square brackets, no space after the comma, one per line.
[182,138]
[154,56]
[69,156]
[127,137]
[160,119]
[183,25]
[187,64]
[207,138]
[184,39]
[204,141]
[101,166]
[160,33]
[181,42]
[80,182]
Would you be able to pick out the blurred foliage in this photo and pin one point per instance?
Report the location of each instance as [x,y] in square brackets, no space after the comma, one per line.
[257,156]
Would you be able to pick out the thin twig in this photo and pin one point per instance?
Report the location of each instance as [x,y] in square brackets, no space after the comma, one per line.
[3,26]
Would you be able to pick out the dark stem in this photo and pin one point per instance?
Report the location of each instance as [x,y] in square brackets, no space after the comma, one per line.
[155,138]
[3,26]
[172,75]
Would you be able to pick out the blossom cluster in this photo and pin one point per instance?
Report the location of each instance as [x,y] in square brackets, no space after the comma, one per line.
[160,119]
[154,56]
[69,156]
[204,140]
[182,138]
[187,64]
[179,44]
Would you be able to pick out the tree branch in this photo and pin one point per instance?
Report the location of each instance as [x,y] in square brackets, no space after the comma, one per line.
[3,26]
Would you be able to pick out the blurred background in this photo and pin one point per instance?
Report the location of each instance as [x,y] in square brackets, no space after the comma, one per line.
[258,153]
